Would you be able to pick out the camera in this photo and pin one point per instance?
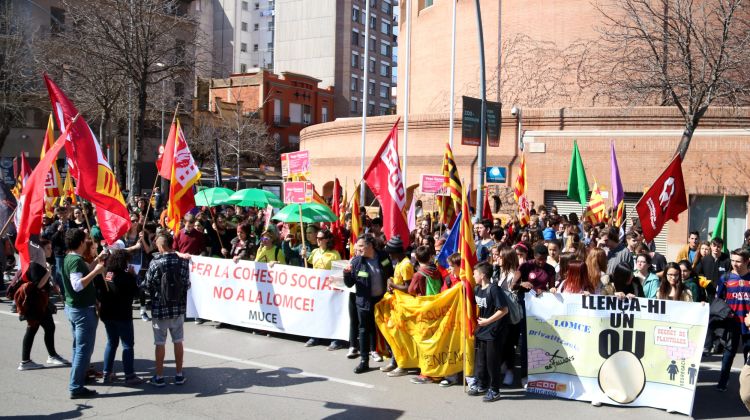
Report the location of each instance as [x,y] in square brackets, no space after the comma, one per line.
[515,111]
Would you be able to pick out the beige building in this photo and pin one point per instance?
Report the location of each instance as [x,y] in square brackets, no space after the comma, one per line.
[531,39]
[326,40]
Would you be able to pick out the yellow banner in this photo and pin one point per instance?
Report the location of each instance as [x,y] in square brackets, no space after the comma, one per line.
[426,332]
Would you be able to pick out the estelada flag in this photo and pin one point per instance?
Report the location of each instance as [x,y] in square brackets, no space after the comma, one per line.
[68,191]
[94,178]
[53,185]
[384,179]
[31,203]
[665,200]
[184,173]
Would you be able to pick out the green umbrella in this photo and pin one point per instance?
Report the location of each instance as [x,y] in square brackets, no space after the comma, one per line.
[311,213]
[212,196]
[254,197]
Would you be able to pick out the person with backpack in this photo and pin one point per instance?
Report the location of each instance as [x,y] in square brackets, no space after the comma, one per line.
[33,304]
[116,291]
[168,280]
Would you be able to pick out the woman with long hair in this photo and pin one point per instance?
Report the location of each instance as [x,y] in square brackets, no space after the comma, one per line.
[672,287]
[596,264]
[242,247]
[649,280]
[577,280]
[625,286]
[690,280]
[506,264]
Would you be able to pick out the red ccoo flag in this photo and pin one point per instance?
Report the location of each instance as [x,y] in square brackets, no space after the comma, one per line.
[665,200]
[384,179]
[95,180]
[31,203]
[184,174]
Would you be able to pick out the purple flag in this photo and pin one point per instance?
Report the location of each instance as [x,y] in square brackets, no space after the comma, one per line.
[411,217]
[618,195]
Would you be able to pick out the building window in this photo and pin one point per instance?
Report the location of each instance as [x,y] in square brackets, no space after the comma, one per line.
[383,110]
[373,22]
[277,110]
[363,18]
[270,26]
[385,69]
[355,38]
[245,5]
[269,46]
[371,66]
[385,27]
[370,110]
[243,47]
[372,44]
[295,113]
[354,83]
[255,47]
[386,8]
[243,25]
[324,114]
[385,49]
[355,60]
[362,63]
[371,87]
[179,90]
[354,107]
[255,26]
[355,14]
[243,68]
[306,114]
[385,91]
[293,139]
[257,6]
[56,20]
[427,3]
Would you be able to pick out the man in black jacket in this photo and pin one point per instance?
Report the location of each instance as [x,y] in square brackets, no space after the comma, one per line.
[368,273]
[713,267]
[55,233]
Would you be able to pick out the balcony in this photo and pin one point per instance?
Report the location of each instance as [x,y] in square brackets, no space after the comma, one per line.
[279,121]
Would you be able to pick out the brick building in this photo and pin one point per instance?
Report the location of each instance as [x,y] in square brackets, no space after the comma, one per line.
[645,137]
[286,103]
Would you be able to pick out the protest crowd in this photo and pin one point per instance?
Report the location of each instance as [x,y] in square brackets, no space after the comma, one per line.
[539,251]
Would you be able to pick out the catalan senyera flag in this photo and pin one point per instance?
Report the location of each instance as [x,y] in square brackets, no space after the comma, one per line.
[356,219]
[183,174]
[449,205]
[468,252]
[618,194]
[53,184]
[94,178]
[596,209]
[24,170]
[418,338]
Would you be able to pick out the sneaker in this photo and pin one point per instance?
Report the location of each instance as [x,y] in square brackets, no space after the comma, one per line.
[353,353]
[199,321]
[524,382]
[476,390]
[376,357]
[311,342]
[157,382]
[362,367]
[135,380]
[389,367]
[109,378]
[508,379]
[29,365]
[335,345]
[445,383]
[421,380]
[720,388]
[83,393]
[57,361]
[397,372]
[596,403]
[179,380]
[491,396]
[146,318]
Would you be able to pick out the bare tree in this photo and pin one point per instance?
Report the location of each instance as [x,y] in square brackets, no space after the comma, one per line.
[149,40]
[18,89]
[683,53]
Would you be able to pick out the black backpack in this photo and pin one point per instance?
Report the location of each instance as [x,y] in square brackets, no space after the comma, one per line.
[172,288]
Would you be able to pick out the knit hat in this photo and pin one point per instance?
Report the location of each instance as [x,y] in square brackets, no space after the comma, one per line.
[395,245]
[36,272]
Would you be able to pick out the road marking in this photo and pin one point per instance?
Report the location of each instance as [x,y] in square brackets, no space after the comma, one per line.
[717,366]
[272,367]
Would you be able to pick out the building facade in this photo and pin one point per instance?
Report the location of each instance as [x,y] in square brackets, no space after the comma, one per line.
[242,35]
[545,124]
[326,39]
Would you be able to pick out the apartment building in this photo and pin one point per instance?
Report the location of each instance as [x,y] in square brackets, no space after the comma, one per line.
[242,35]
[326,40]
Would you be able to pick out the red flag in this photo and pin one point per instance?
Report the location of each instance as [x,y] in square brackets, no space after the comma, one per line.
[31,203]
[384,179]
[665,200]
[184,173]
[338,240]
[486,211]
[95,180]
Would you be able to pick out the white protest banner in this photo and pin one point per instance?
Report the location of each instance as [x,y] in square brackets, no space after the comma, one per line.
[630,352]
[284,298]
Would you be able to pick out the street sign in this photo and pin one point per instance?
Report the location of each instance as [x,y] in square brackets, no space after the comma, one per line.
[470,122]
[298,192]
[496,174]
[433,184]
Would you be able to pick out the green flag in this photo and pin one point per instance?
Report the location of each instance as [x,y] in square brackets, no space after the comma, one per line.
[578,185]
[720,228]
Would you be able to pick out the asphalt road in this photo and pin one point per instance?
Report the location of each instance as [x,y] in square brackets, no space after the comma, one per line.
[235,374]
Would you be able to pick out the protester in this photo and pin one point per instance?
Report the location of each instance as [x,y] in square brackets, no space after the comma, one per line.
[242,246]
[648,280]
[115,293]
[80,301]
[190,240]
[489,335]
[368,273]
[690,251]
[168,280]
[426,280]
[624,285]
[321,258]
[691,282]
[33,305]
[577,279]
[672,287]
[733,288]
[269,250]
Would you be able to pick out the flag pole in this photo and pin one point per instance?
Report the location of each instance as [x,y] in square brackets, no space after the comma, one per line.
[364,103]
[7,222]
[463,331]
[148,207]
[213,218]
[302,225]
[453,78]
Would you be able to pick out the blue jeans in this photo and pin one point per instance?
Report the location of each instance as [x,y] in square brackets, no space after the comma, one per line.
[83,322]
[119,331]
[57,273]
